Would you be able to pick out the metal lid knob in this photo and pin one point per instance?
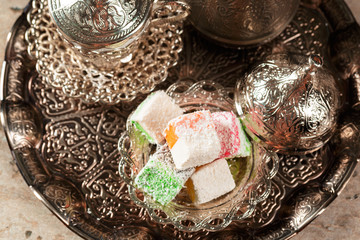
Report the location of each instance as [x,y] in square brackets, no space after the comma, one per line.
[97,24]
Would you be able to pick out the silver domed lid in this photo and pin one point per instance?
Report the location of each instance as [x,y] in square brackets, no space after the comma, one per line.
[100,23]
[289,102]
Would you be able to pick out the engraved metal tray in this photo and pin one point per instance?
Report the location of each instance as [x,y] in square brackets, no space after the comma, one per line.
[66,149]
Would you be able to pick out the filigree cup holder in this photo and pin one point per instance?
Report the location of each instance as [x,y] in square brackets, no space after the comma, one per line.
[250,189]
[106,76]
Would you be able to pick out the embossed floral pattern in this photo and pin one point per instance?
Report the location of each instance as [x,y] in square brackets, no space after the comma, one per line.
[81,195]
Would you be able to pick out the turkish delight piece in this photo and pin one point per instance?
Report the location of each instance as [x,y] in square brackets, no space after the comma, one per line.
[233,140]
[210,181]
[192,139]
[153,114]
[160,179]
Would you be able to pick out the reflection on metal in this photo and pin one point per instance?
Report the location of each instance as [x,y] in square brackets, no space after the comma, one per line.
[240,23]
[71,160]
[112,74]
[289,101]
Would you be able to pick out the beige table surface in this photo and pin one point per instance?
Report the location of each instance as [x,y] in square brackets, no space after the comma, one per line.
[23,216]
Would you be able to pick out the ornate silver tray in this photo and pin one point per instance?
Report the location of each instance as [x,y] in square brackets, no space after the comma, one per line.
[67,149]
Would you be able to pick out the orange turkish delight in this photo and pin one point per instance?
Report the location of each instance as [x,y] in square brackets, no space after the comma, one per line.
[192,139]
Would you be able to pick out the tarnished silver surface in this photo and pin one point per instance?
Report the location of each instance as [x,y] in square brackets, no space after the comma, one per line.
[80,77]
[289,102]
[242,22]
[66,149]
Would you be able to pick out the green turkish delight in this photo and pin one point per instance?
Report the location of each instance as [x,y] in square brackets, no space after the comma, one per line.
[160,179]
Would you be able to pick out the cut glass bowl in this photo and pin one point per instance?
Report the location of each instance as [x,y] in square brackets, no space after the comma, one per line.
[252,183]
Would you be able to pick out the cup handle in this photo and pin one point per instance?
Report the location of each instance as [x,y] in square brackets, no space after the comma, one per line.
[175,11]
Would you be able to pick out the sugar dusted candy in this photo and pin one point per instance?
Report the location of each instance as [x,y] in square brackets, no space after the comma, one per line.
[160,179]
[153,114]
[234,142]
[210,181]
[192,139]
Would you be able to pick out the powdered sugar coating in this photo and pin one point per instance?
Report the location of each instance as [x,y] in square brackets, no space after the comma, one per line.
[160,179]
[192,139]
[231,134]
[152,115]
[211,181]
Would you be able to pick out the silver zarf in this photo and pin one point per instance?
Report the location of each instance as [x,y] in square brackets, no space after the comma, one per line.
[105,32]
[290,102]
[100,23]
[100,72]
